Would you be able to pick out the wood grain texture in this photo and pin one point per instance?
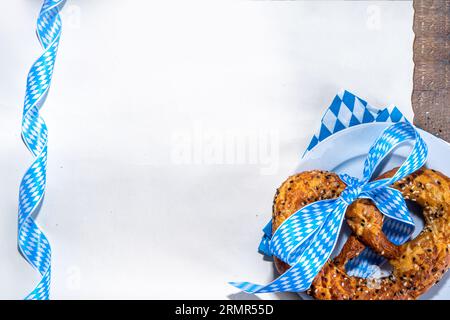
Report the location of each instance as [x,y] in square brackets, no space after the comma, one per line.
[430,97]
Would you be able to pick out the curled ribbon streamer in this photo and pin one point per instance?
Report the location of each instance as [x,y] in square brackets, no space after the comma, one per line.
[32,243]
[307,238]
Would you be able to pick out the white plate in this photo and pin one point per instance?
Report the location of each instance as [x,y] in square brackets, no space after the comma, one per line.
[345,152]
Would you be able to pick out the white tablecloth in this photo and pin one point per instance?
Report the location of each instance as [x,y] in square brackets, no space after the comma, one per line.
[170,126]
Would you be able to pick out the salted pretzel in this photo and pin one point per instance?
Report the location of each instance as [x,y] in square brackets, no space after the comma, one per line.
[417,264]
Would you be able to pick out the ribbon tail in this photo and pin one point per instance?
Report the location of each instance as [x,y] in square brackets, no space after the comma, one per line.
[294,234]
[313,256]
[290,281]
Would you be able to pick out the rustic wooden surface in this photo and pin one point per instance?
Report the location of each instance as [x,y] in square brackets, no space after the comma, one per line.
[430,97]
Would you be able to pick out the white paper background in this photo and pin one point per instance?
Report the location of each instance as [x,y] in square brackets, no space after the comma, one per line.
[146,197]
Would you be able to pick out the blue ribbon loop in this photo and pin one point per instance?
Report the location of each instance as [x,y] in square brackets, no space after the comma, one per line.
[32,242]
[307,238]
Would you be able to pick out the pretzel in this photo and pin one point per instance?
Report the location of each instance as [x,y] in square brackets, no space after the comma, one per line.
[417,264]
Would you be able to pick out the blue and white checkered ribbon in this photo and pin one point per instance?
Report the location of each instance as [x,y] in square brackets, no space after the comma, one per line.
[32,242]
[307,238]
[348,110]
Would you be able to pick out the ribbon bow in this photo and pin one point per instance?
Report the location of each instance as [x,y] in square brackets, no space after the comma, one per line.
[307,238]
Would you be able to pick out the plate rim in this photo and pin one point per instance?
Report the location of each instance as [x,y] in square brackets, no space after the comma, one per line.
[335,135]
